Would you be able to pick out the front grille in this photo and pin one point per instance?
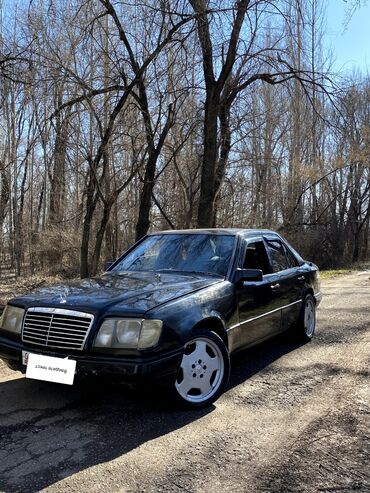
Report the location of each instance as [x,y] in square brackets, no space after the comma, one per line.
[57,328]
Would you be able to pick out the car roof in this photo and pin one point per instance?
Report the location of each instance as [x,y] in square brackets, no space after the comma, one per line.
[219,231]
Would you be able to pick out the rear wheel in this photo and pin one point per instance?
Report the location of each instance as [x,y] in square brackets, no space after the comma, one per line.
[307,319]
[204,370]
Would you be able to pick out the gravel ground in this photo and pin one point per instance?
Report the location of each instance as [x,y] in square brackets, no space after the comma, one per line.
[296,418]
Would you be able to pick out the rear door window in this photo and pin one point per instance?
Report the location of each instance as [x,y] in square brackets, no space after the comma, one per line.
[280,258]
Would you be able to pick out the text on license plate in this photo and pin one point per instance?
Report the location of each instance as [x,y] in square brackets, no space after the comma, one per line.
[48,368]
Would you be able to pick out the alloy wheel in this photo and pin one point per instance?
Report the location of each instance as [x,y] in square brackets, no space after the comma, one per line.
[201,370]
[309,317]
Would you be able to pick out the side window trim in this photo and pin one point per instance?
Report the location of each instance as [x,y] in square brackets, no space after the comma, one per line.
[290,256]
[292,251]
[247,241]
[265,242]
[255,239]
[268,239]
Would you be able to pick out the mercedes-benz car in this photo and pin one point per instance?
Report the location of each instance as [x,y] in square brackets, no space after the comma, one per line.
[172,308]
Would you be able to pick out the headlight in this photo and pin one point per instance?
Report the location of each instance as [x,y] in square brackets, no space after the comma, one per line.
[11,319]
[128,333]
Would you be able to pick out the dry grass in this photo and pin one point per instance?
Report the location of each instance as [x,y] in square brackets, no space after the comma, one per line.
[330,274]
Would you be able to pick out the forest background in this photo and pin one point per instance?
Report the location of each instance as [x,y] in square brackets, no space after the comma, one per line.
[123,117]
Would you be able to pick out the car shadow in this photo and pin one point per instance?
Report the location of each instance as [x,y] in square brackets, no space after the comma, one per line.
[248,362]
[49,432]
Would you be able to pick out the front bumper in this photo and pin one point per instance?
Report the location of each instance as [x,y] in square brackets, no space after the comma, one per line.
[161,368]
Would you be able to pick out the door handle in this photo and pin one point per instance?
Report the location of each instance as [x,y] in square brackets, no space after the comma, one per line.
[301,278]
[276,286]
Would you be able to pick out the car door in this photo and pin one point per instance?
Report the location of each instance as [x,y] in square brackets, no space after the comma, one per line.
[289,280]
[258,302]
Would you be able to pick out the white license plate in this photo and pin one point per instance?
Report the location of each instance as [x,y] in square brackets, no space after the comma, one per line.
[48,368]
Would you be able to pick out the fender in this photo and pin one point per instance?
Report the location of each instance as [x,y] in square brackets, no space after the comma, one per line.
[182,317]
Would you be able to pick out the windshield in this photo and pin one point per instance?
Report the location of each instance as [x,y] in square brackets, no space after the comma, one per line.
[202,253]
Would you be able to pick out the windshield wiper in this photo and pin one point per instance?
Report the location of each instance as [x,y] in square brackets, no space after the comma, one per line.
[214,274]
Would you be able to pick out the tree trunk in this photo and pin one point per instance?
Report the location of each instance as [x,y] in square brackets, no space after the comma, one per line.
[4,202]
[224,153]
[99,238]
[143,221]
[208,178]
[4,196]
[57,185]
[91,202]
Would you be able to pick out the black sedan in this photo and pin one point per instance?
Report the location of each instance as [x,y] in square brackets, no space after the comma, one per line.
[172,308]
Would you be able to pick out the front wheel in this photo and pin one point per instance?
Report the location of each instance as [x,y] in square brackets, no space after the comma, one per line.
[204,370]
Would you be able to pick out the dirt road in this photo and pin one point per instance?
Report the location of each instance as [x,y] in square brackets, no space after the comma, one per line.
[295,419]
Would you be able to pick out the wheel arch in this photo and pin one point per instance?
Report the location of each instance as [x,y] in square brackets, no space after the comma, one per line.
[214,324]
[310,291]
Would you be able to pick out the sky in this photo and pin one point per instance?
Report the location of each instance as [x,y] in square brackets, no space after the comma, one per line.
[350,44]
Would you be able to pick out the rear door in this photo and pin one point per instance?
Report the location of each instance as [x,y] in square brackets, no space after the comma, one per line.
[289,280]
[259,302]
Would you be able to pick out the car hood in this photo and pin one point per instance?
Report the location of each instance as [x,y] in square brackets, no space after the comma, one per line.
[124,292]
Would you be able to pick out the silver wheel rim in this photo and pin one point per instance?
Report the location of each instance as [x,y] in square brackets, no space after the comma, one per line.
[309,317]
[201,370]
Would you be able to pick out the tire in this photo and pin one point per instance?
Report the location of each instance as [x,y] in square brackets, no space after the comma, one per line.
[204,370]
[307,319]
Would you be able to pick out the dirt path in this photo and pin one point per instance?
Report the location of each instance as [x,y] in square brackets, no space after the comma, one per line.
[295,419]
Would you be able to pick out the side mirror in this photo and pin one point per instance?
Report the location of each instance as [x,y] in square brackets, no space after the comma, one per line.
[251,275]
[108,264]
